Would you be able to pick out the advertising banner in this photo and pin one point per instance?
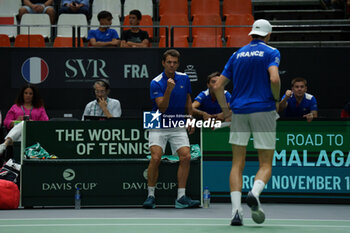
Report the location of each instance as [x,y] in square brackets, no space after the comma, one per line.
[310,160]
[110,139]
[102,182]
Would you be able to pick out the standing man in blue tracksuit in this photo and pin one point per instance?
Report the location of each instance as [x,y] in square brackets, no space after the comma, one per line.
[253,70]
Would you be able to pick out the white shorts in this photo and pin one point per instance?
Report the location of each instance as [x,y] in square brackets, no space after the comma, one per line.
[177,138]
[261,124]
[30,10]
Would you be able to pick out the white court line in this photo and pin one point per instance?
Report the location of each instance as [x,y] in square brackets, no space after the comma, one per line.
[171,224]
[225,219]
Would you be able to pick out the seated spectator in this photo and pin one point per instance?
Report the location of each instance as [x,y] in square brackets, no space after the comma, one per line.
[103,105]
[28,106]
[135,37]
[345,113]
[38,7]
[298,103]
[75,7]
[104,36]
[205,104]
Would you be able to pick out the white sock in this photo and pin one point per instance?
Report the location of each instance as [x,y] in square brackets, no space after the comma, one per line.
[151,191]
[236,202]
[258,187]
[181,192]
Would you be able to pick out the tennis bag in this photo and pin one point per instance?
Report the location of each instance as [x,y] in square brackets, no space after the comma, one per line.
[9,195]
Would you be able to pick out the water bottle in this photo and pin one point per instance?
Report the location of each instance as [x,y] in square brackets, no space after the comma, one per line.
[77,199]
[206,197]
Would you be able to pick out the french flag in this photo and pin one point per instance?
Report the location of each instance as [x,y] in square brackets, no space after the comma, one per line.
[35,70]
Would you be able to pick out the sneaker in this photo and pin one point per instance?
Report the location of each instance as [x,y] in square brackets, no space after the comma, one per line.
[150,203]
[2,149]
[186,202]
[237,219]
[258,214]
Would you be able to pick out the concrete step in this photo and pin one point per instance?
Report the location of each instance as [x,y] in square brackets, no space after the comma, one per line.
[299,14]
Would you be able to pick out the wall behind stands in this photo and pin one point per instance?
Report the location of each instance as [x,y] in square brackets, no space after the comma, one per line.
[65,75]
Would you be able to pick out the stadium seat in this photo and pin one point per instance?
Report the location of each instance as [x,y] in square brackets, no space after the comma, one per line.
[236,7]
[237,40]
[206,20]
[66,42]
[115,21]
[9,7]
[238,36]
[29,41]
[207,41]
[205,7]
[174,20]
[11,31]
[171,7]
[69,20]
[4,40]
[181,42]
[145,6]
[113,6]
[145,21]
[36,19]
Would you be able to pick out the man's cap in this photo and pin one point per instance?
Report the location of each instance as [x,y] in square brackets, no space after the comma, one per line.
[261,27]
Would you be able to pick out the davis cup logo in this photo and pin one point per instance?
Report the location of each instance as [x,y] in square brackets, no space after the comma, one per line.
[35,70]
[68,174]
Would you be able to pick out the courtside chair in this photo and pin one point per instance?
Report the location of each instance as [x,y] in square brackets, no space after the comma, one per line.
[71,19]
[205,7]
[171,7]
[145,6]
[113,6]
[36,19]
[4,40]
[30,41]
[115,21]
[230,7]
[61,42]
[238,36]
[11,31]
[146,20]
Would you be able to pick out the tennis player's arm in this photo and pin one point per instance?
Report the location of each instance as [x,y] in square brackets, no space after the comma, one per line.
[219,90]
[163,102]
[275,83]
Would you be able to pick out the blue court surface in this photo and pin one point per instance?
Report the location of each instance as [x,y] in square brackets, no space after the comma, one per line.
[288,218]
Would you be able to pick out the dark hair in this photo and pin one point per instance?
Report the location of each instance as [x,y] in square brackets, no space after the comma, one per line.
[299,79]
[258,37]
[102,82]
[137,13]
[37,101]
[104,15]
[212,75]
[171,52]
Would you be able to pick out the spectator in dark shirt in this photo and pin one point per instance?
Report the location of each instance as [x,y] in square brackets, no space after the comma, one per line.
[135,37]
[75,7]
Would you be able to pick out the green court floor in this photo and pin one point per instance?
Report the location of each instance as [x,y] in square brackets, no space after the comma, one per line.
[168,225]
